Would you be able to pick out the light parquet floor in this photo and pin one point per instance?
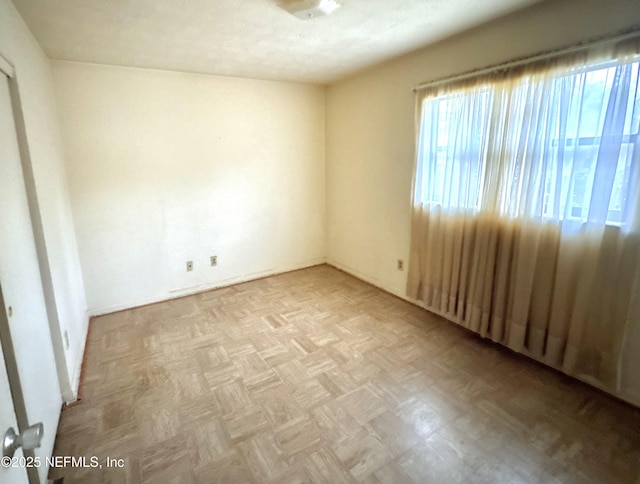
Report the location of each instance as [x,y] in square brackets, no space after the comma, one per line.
[316,377]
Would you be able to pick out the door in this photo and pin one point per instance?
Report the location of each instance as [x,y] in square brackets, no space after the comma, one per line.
[30,364]
[8,471]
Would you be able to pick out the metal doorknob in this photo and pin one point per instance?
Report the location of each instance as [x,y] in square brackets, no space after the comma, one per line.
[29,439]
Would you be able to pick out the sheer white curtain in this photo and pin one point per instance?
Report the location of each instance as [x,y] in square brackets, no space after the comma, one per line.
[526,215]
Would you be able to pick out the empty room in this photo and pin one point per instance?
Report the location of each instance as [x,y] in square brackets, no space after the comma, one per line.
[320,241]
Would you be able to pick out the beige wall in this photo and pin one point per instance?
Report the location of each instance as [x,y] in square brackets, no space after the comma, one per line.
[166,167]
[370,130]
[54,231]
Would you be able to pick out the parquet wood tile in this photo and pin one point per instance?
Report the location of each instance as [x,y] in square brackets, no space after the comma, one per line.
[316,377]
[323,466]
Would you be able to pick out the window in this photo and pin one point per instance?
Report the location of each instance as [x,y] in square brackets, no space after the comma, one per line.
[559,144]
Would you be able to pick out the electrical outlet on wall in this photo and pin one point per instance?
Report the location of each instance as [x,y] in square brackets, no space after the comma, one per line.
[214,260]
[401,264]
[189,265]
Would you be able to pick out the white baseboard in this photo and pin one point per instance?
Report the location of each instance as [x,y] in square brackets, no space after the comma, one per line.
[629,397]
[189,291]
[371,280]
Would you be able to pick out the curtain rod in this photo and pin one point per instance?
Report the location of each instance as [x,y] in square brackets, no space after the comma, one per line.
[526,60]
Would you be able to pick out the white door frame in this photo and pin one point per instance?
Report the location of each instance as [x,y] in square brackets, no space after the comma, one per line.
[45,280]
[66,390]
[5,336]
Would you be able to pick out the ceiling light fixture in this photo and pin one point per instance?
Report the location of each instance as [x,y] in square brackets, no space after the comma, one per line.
[308,9]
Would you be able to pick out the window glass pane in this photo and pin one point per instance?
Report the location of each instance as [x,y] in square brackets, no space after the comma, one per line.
[554,148]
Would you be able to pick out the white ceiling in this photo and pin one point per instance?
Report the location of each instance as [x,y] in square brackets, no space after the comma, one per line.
[248,38]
